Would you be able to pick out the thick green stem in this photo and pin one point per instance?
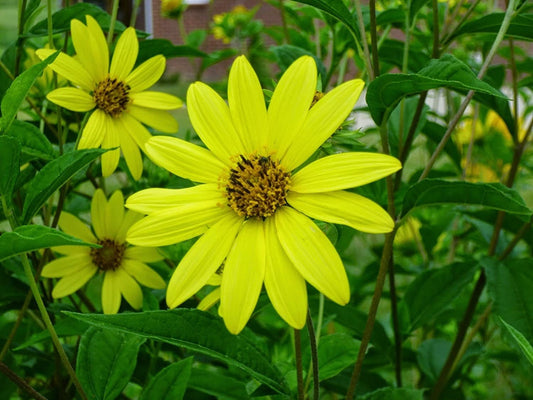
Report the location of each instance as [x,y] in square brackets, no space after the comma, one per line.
[111,31]
[364,42]
[374,37]
[50,24]
[396,325]
[314,356]
[299,370]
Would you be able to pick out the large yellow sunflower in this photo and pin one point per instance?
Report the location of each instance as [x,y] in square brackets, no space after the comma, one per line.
[251,208]
[123,266]
[117,93]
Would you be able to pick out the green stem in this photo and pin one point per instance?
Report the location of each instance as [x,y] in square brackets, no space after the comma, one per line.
[364,42]
[284,22]
[396,325]
[20,41]
[135,12]
[111,31]
[374,37]
[50,24]
[299,370]
[20,382]
[13,331]
[314,356]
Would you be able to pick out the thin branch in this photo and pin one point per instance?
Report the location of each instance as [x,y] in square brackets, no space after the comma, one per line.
[314,356]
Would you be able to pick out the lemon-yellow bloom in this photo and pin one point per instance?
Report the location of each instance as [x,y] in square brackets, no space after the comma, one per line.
[117,94]
[250,207]
[123,266]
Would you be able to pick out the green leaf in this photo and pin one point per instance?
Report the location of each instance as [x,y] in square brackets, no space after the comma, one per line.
[338,10]
[170,382]
[215,382]
[394,394]
[509,287]
[32,140]
[431,356]
[9,165]
[286,54]
[197,331]
[63,327]
[416,5]
[335,353]
[61,19]
[520,27]
[434,290]
[386,91]
[106,361]
[34,237]
[435,132]
[431,192]
[391,51]
[153,47]
[524,344]
[54,175]
[16,93]
[404,115]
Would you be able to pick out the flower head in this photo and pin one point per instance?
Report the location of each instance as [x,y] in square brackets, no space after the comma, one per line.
[117,94]
[123,266]
[251,207]
[172,8]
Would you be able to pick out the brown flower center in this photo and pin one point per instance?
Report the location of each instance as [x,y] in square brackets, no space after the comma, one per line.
[257,186]
[318,95]
[111,96]
[109,256]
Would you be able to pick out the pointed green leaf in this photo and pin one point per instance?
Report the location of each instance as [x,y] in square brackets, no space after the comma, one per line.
[435,132]
[32,140]
[286,54]
[216,382]
[34,237]
[16,93]
[416,5]
[54,175]
[153,47]
[394,394]
[520,27]
[525,346]
[491,195]
[197,331]
[63,327]
[335,353]
[106,361]
[9,165]
[170,382]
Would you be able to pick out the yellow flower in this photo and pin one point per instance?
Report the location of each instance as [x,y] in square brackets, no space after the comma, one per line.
[172,8]
[251,209]
[116,92]
[123,266]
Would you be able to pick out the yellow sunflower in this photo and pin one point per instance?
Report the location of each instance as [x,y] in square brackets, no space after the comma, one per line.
[251,208]
[116,92]
[123,266]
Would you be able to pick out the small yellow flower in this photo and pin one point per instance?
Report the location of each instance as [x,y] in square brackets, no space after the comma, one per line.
[123,266]
[251,208]
[116,92]
[172,8]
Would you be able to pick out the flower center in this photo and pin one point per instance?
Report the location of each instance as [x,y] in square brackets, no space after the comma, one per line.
[257,186]
[111,96]
[109,256]
[318,95]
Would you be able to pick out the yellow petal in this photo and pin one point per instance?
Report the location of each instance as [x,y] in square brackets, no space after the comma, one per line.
[185,159]
[111,140]
[70,250]
[243,275]
[214,280]
[343,208]
[160,120]
[143,274]
[146,254]
[87,51]
[173,226]
[342,171]
[69,68]
[73,226]
[210,300]
[71,283]
[322,120]
[285,286]
[156,100]
[100,49]
[312,254]
[247,105]
[98,214]
[130,289]
[114,214]
[132,154]
[69,265]
[211,120]
[72,99]
[202,260]
[111,293]
[146,74]
[149,201]
[125,55]
[290,103]
[130,217]
[137,131]
[94,132]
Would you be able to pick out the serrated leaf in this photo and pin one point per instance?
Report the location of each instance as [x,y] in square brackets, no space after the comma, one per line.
[32,140]
[152,47]
[17,91]
[197,331]
[9,165]
[519,28]
[431,192]
[509,287]
[54,175]
[524,344]
[434,290]
[34,237]
[335,353]
[386,91]
[106,361]
[394,394]
[170,382]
